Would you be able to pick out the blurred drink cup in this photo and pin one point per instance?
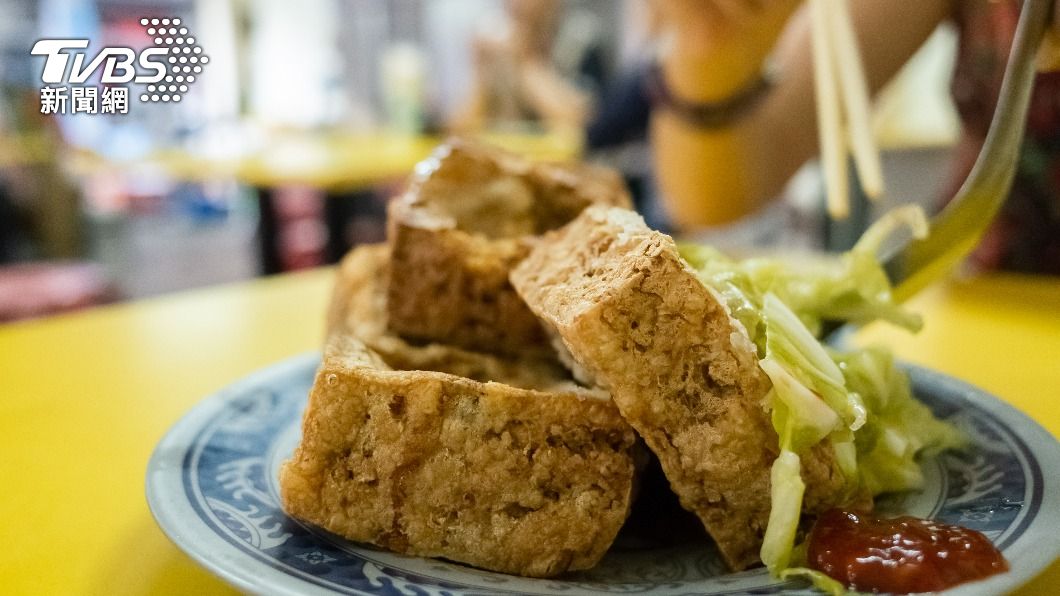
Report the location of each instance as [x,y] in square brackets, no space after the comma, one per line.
[402,82]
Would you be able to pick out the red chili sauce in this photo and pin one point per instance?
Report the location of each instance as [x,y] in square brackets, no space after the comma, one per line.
[901,555]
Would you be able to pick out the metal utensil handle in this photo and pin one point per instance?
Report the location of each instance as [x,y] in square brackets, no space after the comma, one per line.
[957,229]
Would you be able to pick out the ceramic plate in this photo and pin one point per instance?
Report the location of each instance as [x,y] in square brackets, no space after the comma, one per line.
[212,486]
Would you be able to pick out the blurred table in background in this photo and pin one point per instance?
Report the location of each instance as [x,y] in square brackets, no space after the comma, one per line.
[29,290]
[86,397]
[347,167]
[25,149]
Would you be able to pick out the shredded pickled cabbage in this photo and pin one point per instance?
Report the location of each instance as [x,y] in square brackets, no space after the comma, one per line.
[859,400]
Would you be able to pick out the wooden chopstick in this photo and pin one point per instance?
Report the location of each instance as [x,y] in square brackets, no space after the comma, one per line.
[842,106]
[855,95]
[829,119]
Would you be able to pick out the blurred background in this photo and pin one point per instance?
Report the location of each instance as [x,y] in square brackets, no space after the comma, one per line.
[310,114]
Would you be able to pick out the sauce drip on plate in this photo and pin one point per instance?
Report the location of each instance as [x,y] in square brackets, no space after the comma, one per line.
[902,555]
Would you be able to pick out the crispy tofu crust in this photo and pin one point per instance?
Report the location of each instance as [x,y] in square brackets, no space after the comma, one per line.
[683,372]
[469,215]
[429,463]
[358,308]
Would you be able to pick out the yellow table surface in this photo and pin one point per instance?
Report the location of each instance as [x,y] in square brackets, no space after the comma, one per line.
[85,397]
[26,149]
[334,161]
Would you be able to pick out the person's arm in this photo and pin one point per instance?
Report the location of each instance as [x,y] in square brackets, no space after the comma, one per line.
[471,115]
[557,102]
[711,177]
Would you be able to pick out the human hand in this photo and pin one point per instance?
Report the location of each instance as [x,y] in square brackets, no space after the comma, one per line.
[719,44]
[559,104]
[487,49]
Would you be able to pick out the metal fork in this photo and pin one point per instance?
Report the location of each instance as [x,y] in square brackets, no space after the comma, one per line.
[957,229]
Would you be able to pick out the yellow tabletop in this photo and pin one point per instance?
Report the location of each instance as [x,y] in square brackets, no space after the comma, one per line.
[344,162]
[26,149]
[337,161]
[85,397]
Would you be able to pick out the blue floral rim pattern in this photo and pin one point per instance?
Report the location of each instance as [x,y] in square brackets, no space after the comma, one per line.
[212,487]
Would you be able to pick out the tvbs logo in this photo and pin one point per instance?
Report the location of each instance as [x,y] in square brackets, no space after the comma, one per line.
[166,69]
[118,63]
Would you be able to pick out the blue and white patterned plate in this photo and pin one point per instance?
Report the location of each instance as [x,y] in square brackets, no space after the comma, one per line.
[212,486]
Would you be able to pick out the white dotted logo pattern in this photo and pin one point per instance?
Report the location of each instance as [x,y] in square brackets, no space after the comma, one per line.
[183,65]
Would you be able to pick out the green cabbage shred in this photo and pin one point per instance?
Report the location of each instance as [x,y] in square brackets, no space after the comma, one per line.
[858,400]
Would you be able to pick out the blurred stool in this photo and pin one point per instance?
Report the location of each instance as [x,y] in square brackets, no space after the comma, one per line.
[291,229]
[29,290]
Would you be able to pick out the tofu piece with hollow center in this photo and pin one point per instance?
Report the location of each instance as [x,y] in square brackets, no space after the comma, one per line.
[470,214]
[532,480]
[637,320]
